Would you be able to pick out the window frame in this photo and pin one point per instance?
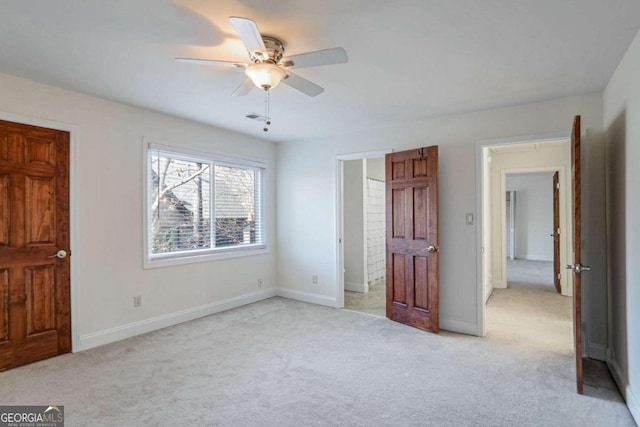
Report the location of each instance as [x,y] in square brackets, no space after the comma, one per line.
[151,260]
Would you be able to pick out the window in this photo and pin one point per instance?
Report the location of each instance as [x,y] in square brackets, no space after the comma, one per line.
[199,204]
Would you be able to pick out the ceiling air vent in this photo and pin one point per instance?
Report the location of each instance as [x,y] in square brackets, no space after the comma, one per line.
[255,116]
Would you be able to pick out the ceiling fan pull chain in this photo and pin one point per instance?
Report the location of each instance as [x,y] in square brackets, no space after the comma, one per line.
[267,110]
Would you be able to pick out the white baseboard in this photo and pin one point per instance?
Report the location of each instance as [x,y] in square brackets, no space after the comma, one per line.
[597,351]
[356,287]
[129,330]
[306,297]
[536,257]
[467,328]
[487,293]
[498,284]
[630,397]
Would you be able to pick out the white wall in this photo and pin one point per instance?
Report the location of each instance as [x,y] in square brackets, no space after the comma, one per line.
[376,225]
[375,168]
[354,172]
[376,230]
[547,156]
[622,127]
[533,215]
[107,220]
[307,195]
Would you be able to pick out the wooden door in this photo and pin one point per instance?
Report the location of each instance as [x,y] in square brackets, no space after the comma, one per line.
[412,238]
[35,321]
[577,254]
[556,232]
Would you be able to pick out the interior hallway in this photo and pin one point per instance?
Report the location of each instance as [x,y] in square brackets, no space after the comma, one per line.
[530,314]
[530,311]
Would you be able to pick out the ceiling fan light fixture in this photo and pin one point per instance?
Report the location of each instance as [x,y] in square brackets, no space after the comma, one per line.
[265,75]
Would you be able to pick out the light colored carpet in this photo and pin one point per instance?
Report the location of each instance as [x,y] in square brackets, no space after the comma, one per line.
[530,312]
[286,363]
[372,302]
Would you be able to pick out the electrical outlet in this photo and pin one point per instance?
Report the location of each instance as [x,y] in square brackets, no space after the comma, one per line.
[137,301]
[259,283]
[314,279]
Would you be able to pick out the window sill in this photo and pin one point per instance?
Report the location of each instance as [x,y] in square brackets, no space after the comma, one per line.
[209,256]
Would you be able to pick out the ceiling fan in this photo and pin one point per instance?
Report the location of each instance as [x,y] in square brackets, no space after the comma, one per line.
[268,66]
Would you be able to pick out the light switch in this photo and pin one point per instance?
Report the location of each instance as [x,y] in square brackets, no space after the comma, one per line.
[469,219]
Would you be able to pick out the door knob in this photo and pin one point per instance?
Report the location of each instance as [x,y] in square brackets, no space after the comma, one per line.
[432,249]
[578,268]
[60,254]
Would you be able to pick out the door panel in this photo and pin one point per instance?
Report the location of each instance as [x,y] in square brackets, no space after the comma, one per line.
[5,208]
[34,224]
[577,250]
[421,279]
[556,232]
[398,282]
[412,227]
[41,303]
[40,211]
[4,305]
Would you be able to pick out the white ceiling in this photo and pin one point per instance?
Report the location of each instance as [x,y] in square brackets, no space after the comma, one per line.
[408,59]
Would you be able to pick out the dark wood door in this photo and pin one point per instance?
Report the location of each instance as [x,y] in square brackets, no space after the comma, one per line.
[35,321]
[556,232]
[577,250]
[412,238]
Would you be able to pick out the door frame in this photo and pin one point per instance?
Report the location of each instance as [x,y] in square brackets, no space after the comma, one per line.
[479,164]
[566,243]
[73,206]
[339,236]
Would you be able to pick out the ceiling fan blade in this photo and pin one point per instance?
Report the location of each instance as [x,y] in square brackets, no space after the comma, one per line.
[244,88]
[249,33]
[210,62]
[301,84]
[336,55]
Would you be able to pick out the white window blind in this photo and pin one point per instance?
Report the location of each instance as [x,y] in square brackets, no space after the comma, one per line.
[198,204]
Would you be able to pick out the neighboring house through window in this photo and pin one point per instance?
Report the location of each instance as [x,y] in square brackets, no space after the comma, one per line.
[201,205]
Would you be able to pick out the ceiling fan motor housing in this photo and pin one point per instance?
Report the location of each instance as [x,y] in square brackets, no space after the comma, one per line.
[275,51]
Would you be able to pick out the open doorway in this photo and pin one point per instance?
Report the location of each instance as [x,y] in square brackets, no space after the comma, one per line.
[531,309]
[520,238]
[363,222]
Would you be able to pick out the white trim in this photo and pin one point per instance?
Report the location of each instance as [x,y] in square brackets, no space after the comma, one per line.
[339,224]
[458,326]
[339,219]
[536,257]
[596,351]
[545,137]
[487,294]
[630,397]
[74,225]
[481,298]
[129,330]
[212,254]
[566,211]
[364,155]
[306,297]
[194,153]
[498,284]
[479,166]
[356,287]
